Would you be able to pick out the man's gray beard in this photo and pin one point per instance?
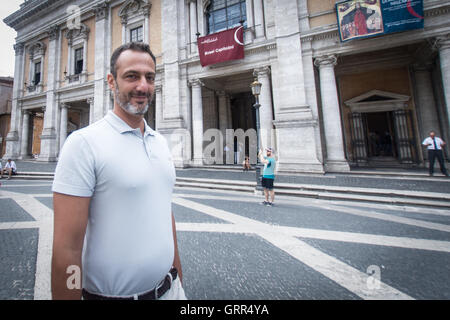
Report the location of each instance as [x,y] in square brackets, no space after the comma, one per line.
[129,107]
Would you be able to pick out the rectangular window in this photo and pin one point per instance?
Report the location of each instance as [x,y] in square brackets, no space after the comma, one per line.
[37,73]
[137,34]
[78,61]
[226,14]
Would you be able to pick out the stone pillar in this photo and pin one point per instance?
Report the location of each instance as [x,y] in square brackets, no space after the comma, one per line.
[331,115]
[294,122]
[443,44]
[197,121]
[223,112]
[425,101]
[158,106]
[48,137]
[250,32]
[259,18]
[63,128]
[12,138]
[193,25]
[101,59]
[90,101]
[265,111]
[25,131]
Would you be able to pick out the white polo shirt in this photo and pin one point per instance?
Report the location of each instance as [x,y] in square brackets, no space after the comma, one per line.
[128,246]
[429,141]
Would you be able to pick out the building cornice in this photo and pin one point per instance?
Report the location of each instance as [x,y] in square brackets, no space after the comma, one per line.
[29,9]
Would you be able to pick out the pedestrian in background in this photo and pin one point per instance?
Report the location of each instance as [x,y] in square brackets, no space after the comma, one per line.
[268,175]
[435,150]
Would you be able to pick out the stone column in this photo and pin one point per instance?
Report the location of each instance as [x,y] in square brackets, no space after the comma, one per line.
[101,59]
[250,32]
[90,101]
[443,44]
[193,25]
[293,119]
[25,131]
[63,128]
[48,137]
[12,138]
[158,106]
[425,101]
[223,112]
[331,115]
[259,18]
[197,121]
[265,111]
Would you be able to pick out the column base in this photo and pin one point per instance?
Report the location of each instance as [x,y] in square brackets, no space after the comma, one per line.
[337,166]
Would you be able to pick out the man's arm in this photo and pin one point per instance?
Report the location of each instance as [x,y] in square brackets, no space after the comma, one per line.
[70,221]
[176,258]
[261,158]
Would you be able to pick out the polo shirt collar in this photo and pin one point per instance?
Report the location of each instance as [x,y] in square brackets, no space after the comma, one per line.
[121,126]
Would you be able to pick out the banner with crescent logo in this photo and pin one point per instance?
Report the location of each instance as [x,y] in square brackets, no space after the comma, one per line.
[367,18]
[222,46]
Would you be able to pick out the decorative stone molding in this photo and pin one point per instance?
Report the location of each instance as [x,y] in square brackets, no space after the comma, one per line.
[53,32]
[19,48]
[132,8]
[36,49]
[442,42]
[263,71]
[195,83]
[101,10]
[74,34]
[325,61]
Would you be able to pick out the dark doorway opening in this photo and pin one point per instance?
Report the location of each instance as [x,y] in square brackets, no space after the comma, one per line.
[380,135]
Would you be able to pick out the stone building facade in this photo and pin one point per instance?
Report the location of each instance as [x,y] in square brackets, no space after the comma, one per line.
[325,105]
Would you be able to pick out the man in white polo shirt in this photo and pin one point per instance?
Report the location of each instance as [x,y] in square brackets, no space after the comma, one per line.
[114,224]
[434,145]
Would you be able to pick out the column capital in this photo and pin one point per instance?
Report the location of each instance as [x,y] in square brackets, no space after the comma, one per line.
[101,10]
[19,48]
[90,100]
[442,42]
[195,83]
[191,1]
[53,32]
[325,61]
[261,72]
[64,106]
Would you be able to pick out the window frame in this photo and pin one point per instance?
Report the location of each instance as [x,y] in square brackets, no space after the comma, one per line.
[210,15]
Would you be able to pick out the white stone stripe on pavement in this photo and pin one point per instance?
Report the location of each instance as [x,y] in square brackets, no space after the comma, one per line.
[338,271]
[387,217]
[363,238]
[44,218]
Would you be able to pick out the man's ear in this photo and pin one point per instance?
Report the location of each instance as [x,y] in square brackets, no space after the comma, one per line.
[111,82]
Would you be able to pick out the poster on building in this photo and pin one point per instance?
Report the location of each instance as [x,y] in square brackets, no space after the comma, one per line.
[367,18]
[222,46]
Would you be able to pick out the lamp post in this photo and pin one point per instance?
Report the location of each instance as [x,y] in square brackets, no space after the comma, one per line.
[256,90]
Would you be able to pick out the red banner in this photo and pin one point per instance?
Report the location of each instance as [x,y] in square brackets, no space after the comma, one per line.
[222,46]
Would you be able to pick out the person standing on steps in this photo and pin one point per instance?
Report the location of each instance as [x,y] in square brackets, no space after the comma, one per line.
[268,175]
[435,150]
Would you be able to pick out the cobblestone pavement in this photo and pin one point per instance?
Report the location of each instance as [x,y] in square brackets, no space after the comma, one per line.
[232,247]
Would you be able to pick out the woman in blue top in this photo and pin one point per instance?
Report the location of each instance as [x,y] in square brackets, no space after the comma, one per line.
[268,175]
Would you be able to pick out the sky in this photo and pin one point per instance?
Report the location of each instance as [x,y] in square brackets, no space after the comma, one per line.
[7,38]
